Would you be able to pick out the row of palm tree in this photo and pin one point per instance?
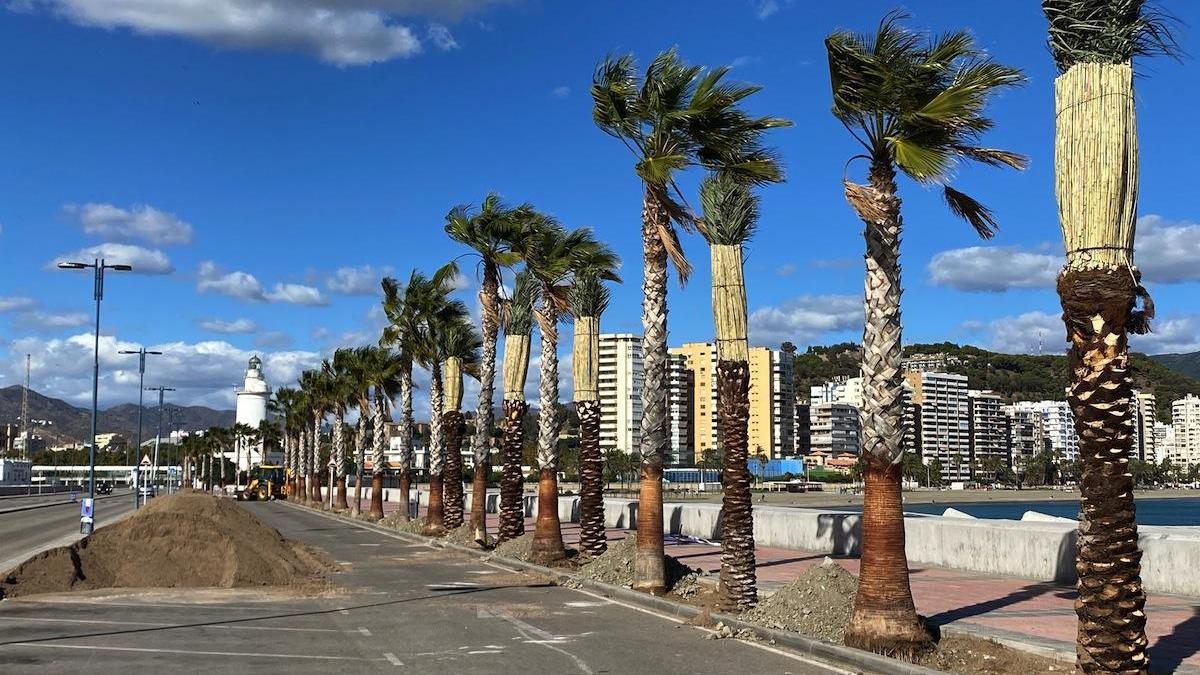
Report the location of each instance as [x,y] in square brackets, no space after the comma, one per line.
[917,106]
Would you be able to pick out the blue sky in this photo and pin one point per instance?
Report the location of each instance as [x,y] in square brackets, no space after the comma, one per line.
[253,139]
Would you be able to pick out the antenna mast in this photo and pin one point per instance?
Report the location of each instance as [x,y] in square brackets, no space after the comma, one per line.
[25,412]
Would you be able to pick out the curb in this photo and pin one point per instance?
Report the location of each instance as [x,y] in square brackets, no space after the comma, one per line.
[18,509]
[820,649]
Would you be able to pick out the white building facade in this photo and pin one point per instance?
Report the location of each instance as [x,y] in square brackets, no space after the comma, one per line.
[620,384]
[252,401]
[1185,419]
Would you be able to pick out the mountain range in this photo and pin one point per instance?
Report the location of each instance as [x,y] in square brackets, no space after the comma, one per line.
[66,423]
[1184,364]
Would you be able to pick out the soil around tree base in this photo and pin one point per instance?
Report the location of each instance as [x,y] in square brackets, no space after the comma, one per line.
[186,540]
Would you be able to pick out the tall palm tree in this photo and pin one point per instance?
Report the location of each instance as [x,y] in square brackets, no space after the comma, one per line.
[344,392]
[460,347]
[589,299]
[1096,179]
[518,325]
[371,369]
[553,256]
[489,233]
[400,335]
[388,382]
[915,104]
[730,218]
[241,436]
[675,117]
[284,404]
[319,390]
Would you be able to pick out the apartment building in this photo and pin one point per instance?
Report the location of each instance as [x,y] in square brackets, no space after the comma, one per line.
[1185,419]
[620,388]
[944,420]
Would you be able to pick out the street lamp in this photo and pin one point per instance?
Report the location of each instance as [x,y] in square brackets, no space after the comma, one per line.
[158,434]
[141,386]
[99,265]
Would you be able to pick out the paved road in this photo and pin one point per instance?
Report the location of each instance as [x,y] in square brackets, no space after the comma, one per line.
[399,607]
[24,533]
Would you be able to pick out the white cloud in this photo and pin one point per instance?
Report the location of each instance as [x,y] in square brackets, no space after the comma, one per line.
[806,318]
[1027,333]
[765,8]
[235,326]
[362,280]
[202,372]
[1179,334]
[139,222]
[234,284]
[1167,252]
[993,269]
[42,320]
[335,31]
[296,294]
[442,37]
[742,61]
[15,303]
[561,92]
[143,260]
[273,339]
[785,270]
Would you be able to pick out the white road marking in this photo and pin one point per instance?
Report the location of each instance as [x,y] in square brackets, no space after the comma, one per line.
[188,652]
[546,640]
[343,611]
[485,651]
[151,624]
[370,544]
[364,631]
[481,572]
[585,603]
[391,658]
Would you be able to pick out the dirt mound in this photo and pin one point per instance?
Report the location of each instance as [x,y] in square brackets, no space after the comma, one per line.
[184,540]
[616,567]
[817,603]
[465,536]
[520,548]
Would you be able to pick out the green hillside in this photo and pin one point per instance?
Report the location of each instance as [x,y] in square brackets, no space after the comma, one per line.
[1184,364]
[1016,376]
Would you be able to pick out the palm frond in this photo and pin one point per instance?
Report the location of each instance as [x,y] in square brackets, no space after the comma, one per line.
[993,156]
[965,207]
[1107,31]
[519,319]
[589,295]
[730,210]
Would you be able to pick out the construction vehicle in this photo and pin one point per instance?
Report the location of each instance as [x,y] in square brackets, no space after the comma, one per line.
[266,483]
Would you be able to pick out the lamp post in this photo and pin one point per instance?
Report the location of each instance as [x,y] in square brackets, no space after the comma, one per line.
[99,265]
[158,434]
[141,386]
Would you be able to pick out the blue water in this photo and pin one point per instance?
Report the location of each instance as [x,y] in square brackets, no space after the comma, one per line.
[1173,511]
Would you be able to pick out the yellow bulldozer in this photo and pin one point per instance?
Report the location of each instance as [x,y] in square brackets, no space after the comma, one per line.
[266,483]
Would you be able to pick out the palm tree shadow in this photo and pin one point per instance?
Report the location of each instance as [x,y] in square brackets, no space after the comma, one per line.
[1027,593]
[1169,651]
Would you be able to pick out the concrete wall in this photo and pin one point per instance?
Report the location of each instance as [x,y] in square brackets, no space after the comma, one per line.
[1032,548]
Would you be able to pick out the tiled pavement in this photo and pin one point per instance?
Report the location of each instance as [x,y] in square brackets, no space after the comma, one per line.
[1016,609]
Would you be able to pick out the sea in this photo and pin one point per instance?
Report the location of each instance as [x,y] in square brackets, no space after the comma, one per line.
[1169,511]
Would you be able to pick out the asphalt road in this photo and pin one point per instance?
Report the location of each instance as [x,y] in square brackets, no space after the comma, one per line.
[25,533]
[397,607]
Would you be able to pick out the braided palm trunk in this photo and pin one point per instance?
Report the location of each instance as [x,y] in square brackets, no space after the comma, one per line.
[547,532]
[485,422]
[1096,172]
[362,441]
[649,565]
[339,459]
[436,515]
[406,440]
[512,488]
[378,448]
[315,466]
[585,366]
[885,618]
[302,467]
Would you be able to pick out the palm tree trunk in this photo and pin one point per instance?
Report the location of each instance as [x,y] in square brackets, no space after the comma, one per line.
[453,427]
[379,445]
[315,467]
[649,565]
[1097,307]
[592,540]
[435,516]
[885,617]
[512,487]
[481,442]
[363,406]
[406,438]
[302,493]
[339,459]
[737,589]
[547,533]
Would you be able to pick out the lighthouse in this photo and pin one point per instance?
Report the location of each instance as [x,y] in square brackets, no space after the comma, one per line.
[252,405]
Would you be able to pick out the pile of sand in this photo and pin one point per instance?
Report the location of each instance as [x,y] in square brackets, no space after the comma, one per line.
[520,548]
[615,567]
[185,540]
[464,535]
[816,603]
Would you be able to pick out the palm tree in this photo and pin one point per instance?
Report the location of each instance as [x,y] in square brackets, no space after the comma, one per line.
[1096,180]
[284,404]
[241,434]
[319,395]
[343,392]
[553,256]
[460,347]
[518,325]
[589,298]
[399,334]
[489,233]
[730,218]
[677,116]
[917,105]
[388,381]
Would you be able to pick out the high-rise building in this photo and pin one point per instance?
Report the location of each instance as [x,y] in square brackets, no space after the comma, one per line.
[838,390]
[1185,418]
[620,388]
[803,426]
[772,401]
[988,431]
[1058,427]
[835,428]
[1026,436]
[701,359]
[679,421]
[945,421]
[1164,441]
[1144,416]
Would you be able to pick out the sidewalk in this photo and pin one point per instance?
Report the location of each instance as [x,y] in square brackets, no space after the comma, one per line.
[1004,608]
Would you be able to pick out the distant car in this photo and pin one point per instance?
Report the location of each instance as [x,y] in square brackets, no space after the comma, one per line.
[104,489]
[146,492]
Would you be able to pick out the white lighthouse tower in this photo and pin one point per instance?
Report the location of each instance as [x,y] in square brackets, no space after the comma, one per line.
[252,405]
